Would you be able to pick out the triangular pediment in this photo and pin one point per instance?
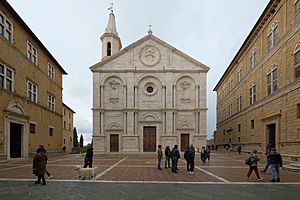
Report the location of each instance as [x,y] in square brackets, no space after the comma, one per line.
[150,53]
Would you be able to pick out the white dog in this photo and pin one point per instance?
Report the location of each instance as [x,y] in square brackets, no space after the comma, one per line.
[85,173]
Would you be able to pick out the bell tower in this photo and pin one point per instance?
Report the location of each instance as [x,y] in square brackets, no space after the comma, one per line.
[111,43]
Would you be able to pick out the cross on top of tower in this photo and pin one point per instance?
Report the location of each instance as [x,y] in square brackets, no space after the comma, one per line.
[150,30]
[111,8]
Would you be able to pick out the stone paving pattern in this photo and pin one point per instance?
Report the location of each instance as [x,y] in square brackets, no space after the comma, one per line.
[229,166]
[136,177]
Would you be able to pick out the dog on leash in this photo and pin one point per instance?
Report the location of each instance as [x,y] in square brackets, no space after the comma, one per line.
[85,173]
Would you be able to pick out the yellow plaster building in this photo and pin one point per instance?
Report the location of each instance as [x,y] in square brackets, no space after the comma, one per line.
[30,90]
[258,96]
[68,127]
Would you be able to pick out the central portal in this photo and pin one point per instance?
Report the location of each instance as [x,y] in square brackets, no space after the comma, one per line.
[149,139]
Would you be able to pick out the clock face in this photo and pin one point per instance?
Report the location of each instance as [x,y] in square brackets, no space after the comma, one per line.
[149,55]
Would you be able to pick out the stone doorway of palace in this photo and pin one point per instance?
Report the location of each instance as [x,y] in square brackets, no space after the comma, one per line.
[185,142]
[271,134]
[114,143]
[15,140]
[149,138]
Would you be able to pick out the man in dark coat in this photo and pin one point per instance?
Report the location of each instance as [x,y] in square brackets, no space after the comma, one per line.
[189,156]
[276,162]
[39,166]
[168,157]
[88,160]
[203,154]
[175,155]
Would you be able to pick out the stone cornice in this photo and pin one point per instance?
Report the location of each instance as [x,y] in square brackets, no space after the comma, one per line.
[151,110]
[267,13]
[148,71]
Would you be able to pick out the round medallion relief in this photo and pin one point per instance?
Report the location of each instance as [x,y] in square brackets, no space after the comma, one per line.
[149,55]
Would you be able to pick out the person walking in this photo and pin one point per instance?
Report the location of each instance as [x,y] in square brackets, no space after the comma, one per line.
[275,162]
[208,153]
[268,150]
[203,154]
[175,155]
[187,156]
[46,157]
[88,160]
[168,157]
[159,157]
[39,166]
[253,165]
[239,149]
[192,167]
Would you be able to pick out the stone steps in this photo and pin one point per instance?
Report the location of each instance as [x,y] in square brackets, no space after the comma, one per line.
[295,167]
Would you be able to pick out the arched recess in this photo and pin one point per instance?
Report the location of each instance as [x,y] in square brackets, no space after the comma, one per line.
[114,126]
[114,92]
[185,93]
[150,117]
[145,76]
[108,76]
[181,76]
[15,107]
[185,126]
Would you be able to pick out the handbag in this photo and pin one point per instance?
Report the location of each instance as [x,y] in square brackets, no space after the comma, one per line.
[248,161]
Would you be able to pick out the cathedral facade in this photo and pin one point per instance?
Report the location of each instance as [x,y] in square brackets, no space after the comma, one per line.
[146,94]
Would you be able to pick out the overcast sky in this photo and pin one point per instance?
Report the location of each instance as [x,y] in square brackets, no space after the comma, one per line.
[209,31]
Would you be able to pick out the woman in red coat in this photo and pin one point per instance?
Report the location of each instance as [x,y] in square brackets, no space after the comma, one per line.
[39,166]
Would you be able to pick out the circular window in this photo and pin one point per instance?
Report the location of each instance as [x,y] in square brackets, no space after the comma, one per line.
[150,89]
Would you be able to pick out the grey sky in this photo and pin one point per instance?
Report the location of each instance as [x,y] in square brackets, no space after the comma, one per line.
[209,31]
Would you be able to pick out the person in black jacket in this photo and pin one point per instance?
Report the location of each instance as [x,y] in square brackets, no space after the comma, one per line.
[88,160]
[175,155]
[276,162]
[168,157]
[189,156]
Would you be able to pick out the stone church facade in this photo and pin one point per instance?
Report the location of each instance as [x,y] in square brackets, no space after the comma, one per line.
[146,94]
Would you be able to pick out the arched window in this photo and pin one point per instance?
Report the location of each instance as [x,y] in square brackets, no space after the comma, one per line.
[297,10]
[273,36]
[252,92]
[297,60]
[108,49]
[272,79]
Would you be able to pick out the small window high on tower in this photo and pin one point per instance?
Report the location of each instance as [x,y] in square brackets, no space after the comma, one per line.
[108,49]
